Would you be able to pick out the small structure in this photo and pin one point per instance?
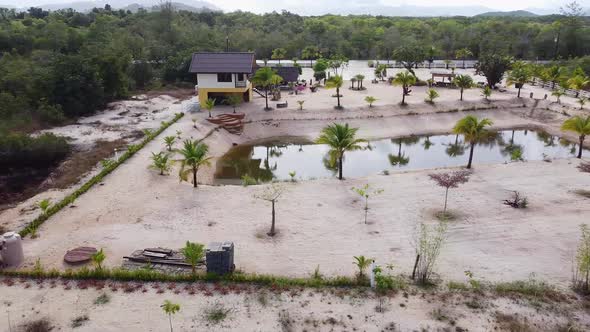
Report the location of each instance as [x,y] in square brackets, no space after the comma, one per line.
[221,74]
[11,248]
[79,255]
[220,257]
[443,74]
[289,74]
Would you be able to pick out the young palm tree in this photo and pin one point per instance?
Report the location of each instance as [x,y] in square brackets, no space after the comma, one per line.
[362,263]
[463,82]
[473,130]
[463,54]
[519,75]
[582,101]
[170,309]
[558,93]
[370,100]
[431,95]
[580,126]
[209,104]
[486,92]
[161,162]
[336,82]
[553,74]
[340,138]
[405,79]
[193,254]
[265,77]
[359,79]
[169,142]
[194,155]
[234,100]
[578,83]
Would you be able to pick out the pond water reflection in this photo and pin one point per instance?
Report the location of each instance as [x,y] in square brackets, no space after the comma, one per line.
[276,160]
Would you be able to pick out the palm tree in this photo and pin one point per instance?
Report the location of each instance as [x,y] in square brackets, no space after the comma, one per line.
[362,263]
[553,74]
[278,54]
[359,79]
[431,95]
[405,79]
[265,77]
[401,159]
[462,54]
[169,142]
[558,93]
[456,149]
[193,254]
[578,82]
[335,81]
[209,104]
[582,101]
[194,155]
[170,309]
[519,75]
[370,100]
[234,100]
[340,138]
[473,130]
[580,126]
[161,162]
[486,92]
[463,82]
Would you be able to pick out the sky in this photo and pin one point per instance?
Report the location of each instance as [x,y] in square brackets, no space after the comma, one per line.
[311,5]
[496,4]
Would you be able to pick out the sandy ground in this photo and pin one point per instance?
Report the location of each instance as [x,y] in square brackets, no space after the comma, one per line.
[297,310]
[320,221]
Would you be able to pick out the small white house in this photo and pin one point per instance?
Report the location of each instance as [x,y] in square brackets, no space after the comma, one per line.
[222,74]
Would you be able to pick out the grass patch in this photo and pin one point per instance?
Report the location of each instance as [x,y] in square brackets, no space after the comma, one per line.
[102,299]
[458,286]
[530,288]
[217,313]
[131,150]
[79,321]
[446,216]
[583,193]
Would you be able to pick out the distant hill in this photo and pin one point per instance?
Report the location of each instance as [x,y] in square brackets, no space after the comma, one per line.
[177,5]
[515,13]
[133,5]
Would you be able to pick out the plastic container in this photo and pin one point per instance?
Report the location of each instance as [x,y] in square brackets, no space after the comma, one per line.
[11,249]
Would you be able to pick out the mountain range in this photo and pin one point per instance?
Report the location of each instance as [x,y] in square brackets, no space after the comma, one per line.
[320,8]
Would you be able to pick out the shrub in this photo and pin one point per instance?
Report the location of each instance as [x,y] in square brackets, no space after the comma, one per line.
[217,313]
[39,325]
[20,150]
[248,180]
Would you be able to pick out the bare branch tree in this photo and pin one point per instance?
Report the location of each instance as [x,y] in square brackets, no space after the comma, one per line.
[271,193]
[450,180]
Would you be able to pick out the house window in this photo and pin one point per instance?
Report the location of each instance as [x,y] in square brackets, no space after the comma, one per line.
[224,77]
[240,77]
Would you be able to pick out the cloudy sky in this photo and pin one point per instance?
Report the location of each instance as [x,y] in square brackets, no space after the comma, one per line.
[496,4]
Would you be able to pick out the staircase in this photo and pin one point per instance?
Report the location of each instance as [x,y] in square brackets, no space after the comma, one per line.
[231,122]
[258,92]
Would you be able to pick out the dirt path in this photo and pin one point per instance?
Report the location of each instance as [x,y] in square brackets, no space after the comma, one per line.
[298,310]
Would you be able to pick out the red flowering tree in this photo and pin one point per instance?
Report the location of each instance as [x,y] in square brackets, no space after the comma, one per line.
[450,180]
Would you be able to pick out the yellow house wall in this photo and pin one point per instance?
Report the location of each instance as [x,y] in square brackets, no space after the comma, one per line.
[204,92]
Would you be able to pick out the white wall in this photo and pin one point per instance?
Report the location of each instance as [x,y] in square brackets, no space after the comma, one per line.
[210,81]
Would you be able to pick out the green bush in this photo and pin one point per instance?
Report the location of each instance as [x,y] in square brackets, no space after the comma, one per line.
[132,149]
[21,150]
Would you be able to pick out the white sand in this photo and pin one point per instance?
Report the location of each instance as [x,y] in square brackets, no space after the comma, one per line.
[320,221]
[308,310]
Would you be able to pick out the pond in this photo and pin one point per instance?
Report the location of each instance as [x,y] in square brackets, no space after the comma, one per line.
[275,160]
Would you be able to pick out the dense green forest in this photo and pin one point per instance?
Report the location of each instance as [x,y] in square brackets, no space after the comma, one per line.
[57,66]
